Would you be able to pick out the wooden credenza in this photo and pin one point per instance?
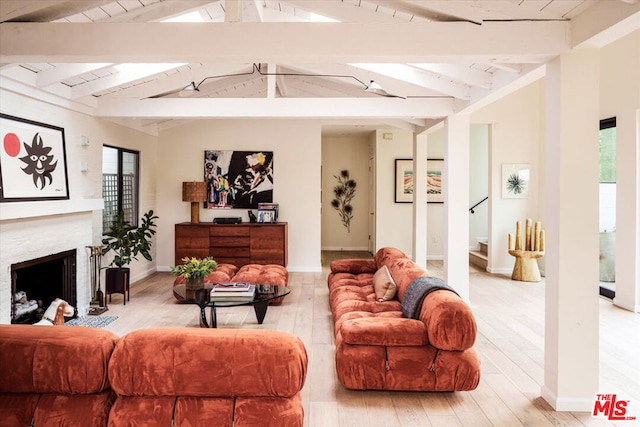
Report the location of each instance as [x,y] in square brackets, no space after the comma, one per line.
[238,244]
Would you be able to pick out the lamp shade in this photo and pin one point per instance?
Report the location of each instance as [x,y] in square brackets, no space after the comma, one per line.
[195,191]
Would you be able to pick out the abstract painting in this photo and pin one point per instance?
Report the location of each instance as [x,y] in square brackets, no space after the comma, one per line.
[33,164]
[238,179]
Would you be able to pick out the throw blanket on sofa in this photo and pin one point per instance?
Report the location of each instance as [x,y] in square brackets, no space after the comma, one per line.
[417,292]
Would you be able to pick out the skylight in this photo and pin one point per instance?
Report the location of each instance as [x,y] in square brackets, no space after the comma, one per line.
[314,17]
[194,16]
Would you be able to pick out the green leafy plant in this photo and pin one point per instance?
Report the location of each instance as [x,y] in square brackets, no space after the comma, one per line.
[344,192]
[194,267]
[127,241]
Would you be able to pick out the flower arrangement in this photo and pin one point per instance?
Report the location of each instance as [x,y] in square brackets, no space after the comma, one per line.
[194,268]
[344,193]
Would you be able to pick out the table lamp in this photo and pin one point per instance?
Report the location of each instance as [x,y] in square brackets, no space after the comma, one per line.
[194,192]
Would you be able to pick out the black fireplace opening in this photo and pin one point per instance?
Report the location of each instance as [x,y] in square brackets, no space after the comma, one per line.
[37,282]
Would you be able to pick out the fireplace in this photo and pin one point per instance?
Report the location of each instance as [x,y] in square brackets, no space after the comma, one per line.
[42,280]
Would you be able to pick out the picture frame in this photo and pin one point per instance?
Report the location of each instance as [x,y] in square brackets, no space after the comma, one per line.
[266,216]
[404,180]
[268,212]
[238,179]
[33,161]
[515,180]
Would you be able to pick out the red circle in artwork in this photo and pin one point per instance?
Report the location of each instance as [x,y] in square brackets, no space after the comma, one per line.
[12,144]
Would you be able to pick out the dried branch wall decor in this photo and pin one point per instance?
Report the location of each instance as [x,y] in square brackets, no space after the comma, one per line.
[344,192]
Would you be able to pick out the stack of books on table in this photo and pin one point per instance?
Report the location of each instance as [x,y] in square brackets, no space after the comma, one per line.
[233,292]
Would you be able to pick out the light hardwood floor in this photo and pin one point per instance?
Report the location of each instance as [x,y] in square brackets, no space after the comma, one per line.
[510,342]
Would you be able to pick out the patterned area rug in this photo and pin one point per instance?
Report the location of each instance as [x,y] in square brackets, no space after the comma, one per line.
[92,321]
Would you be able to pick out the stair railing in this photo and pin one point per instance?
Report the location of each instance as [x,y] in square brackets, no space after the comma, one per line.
[471,209]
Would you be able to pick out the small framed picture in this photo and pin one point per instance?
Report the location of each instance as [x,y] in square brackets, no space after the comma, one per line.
[515,181]
[404,181]
[265,216]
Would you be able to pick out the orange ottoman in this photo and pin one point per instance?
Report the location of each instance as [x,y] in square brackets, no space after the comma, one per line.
[259,274]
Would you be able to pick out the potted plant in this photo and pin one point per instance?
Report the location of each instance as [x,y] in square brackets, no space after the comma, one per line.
[194,270]
[126,242]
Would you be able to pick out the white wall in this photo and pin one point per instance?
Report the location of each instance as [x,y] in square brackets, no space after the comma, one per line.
[351,154]
[393,220]
[35,229]
[516,136]
[296,146]
[435,211]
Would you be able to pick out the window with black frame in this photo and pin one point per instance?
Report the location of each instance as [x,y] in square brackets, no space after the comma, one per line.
[120,173]
[607,142]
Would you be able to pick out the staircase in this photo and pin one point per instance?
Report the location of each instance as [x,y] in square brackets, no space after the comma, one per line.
[479,257]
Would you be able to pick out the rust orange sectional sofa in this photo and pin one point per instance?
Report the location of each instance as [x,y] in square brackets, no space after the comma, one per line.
[78,376]
[379,348]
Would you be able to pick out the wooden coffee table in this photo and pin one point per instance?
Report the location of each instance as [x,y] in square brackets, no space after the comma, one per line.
[260,302]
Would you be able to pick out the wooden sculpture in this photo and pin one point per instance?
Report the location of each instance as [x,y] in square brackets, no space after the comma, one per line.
[526,267]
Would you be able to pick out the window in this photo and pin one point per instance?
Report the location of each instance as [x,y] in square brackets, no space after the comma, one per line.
[607,143]
[608,150]
[119,185]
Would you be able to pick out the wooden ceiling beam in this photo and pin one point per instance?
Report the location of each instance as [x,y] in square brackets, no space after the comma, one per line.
[250,42]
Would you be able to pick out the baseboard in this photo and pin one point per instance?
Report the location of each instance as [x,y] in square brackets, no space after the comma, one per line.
[141,275]
[316,269]
[567,404]
[500,270]
[435,257]
[631,307]
[343,248]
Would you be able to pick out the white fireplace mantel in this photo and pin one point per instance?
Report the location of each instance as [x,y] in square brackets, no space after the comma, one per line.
[22,210]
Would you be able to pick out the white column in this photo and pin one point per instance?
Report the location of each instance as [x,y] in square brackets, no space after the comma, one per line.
[572,242]
[420,200]
[456,203]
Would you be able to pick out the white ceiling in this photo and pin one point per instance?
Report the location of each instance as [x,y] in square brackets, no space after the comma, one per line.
[299,58]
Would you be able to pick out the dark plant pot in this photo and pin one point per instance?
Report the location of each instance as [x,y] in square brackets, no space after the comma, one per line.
[195,283]
[118,282]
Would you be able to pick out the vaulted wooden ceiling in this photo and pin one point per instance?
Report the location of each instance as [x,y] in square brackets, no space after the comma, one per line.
[129,60]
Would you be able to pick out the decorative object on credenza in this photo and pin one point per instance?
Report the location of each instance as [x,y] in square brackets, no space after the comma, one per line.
[227,220]
[33,163]
[404,181]
[344,193]
[267,212]
[515,181]
[126,242]
[194,192]
[252,216]
[238,179]
[98,304]
[194,270]
[527,252]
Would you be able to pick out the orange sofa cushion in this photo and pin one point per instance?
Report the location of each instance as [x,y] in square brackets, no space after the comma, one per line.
[55,375]
[208,362]
[54,363]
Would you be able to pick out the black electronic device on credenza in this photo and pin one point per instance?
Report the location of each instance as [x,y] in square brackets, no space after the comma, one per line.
[227,220]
